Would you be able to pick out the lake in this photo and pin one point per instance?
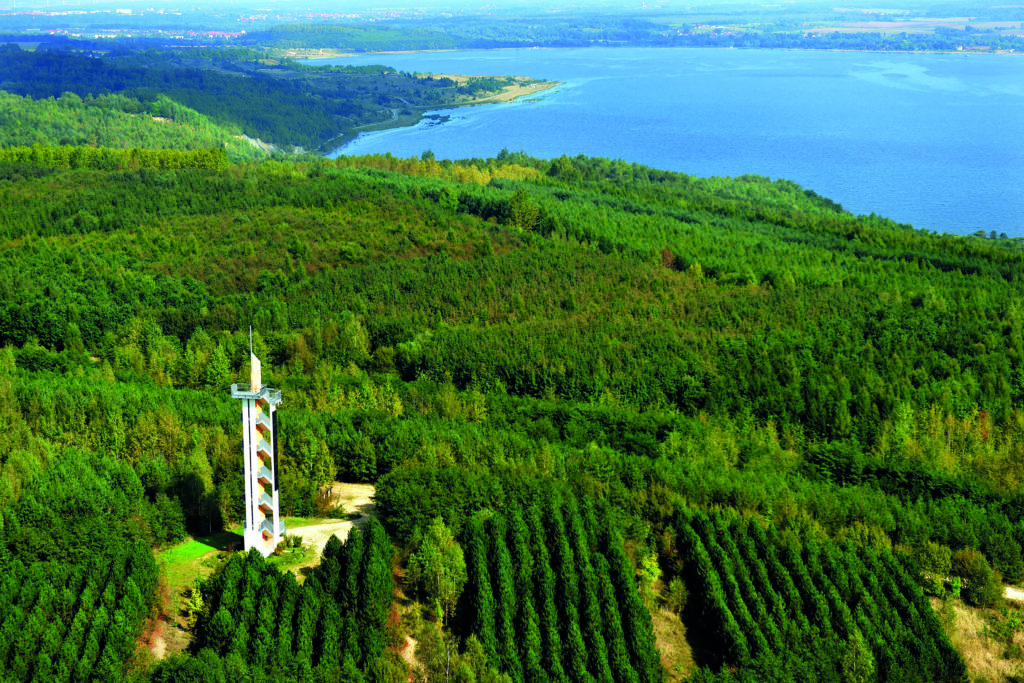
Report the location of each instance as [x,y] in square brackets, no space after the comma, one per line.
[934,140]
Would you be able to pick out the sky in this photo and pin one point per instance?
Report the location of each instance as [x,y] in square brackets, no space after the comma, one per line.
[343,5]
[472,6]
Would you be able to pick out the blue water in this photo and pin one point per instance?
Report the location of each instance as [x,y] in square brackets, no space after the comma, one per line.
[936,141]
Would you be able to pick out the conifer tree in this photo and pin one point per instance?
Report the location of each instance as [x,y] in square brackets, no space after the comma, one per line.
[502,574]
[329,571]
[636,620]
[349,571]
[618,652]
[532,645]
[285,620]
[306,621]
[375,590]
[350,639]
[522,558]
[329,632]
[262,643]
[479,596]
[220,630]
[544,595]
[563,561]
[575,650]
[566,568]
[592,624]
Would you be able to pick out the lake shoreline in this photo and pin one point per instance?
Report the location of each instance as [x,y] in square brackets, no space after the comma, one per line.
[522,88]
[313,54]
[914,137]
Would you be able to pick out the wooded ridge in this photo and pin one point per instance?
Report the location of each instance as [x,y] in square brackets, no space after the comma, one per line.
[618,393]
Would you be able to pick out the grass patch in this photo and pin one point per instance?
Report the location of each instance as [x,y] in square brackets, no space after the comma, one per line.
[184,562]
[294,560]
[180,565]
[970,631]
[294,523]
[670,637]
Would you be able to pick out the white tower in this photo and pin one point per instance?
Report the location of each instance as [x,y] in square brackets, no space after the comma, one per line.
[263,526]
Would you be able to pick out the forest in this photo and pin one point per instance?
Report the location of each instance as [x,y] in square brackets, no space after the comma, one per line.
[111,121]
[602,405]
[217,95]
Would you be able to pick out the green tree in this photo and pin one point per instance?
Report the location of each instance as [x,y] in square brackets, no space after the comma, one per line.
[449,199]
[217,374]
[220,630]
[547,609]
[522,211]
[194,605]
[502,574]
[479,596]
[438,568]
[618,654]
[437,652]
[375,590]
[982,585]
[349,572]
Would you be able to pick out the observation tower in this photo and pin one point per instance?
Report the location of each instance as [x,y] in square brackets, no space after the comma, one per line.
[263,526]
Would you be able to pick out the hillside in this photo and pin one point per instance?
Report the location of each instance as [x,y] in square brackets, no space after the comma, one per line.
[615,390]
[116,121]
[292,106]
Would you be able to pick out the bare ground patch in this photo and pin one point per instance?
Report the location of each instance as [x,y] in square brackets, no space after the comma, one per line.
[354,499]
[670,638]
[984,655]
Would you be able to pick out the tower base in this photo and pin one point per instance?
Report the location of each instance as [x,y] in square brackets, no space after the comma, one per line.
[263,541]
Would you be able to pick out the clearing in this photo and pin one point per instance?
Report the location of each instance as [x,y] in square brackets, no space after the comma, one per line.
[971,634]
[354,499]
[198,557]
[673,645]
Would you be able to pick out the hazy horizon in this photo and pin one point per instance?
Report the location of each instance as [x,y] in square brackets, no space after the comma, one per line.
[442,6]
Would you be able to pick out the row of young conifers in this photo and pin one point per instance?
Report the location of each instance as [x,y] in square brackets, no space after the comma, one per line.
[259,623]
[65,622]
[766,596]
[552,596]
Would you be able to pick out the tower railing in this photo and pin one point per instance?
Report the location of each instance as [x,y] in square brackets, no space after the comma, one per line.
[264,528]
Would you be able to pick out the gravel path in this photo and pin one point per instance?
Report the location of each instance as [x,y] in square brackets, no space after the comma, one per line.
[354,499]
[1011,593]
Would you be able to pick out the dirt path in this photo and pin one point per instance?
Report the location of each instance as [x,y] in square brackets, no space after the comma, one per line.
[158,647]
[1012,593]
[317,535]
[409,652]
[354,499]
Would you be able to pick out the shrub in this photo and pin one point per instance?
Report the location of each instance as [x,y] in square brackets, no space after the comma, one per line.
[675,596]
[982,585]
[935,562]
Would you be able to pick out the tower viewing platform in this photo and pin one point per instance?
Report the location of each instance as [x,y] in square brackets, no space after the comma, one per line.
[264,528]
